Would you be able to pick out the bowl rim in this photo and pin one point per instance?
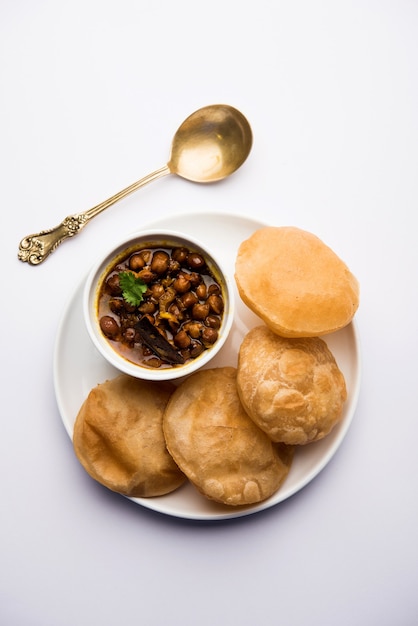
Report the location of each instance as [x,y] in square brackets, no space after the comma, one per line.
[92,285]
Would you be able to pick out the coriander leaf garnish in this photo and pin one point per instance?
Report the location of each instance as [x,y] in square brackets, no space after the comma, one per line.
[132,287]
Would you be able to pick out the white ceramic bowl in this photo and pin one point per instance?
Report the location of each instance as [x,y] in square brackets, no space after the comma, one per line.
[144,239]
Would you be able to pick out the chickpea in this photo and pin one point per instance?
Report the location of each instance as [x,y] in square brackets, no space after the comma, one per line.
[160,262]
[182,283]
[200,311]
[213,322]
[129,335]
[214,289]
[136,262]
[154,361]
[173,266]
[148,307]
[195,279]
[116,305]
[113,285]
[194,329]
[201,291]
[180,255]
[195,261]
[189,299]
[209,335]
[185,354]
[196,348]
[146,255]
[182,339]
[216,304]
[146,275]
[156,291]
[109,327]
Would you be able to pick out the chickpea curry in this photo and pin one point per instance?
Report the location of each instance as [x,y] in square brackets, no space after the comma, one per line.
[161,307]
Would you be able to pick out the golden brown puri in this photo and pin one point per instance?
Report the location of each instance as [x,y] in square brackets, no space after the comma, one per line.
[219,448]
[118,437]
[291,387]
[295,283]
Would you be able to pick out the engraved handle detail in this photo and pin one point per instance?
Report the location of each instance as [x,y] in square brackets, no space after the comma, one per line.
[34,249]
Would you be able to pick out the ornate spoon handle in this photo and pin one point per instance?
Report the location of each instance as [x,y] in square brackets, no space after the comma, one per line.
[34,249]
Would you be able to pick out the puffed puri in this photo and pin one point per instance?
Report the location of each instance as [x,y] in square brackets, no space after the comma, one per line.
[118,437]
[292,388]
[295,283]
[215,443]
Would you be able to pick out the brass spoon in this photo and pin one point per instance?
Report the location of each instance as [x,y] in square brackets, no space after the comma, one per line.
[210,145]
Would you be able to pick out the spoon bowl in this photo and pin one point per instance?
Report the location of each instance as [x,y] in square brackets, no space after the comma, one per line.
[211,144]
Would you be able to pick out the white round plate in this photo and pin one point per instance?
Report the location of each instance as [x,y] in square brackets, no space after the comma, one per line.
[78,367]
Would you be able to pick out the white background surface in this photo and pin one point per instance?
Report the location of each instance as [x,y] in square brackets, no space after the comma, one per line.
[90,96]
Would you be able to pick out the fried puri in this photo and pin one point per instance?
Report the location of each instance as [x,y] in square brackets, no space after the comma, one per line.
[219,448]
[295,283]
[118,437]
[291,387]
